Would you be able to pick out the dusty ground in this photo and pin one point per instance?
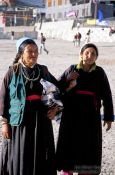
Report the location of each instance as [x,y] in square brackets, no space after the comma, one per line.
[61,55]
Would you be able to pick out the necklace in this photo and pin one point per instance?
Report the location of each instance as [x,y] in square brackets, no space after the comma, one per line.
[31,79]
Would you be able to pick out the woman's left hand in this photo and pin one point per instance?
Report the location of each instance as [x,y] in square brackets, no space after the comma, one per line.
[52,112]
[72,76]
[109,124]
[72,84]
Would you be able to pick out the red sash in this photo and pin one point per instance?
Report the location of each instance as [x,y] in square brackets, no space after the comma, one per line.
[88,93]
[33,97]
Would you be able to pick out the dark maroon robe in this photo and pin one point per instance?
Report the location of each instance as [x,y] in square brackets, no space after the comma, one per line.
[79,145]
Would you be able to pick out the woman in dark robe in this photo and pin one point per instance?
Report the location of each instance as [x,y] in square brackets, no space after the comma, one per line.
[79,147]
[28,142]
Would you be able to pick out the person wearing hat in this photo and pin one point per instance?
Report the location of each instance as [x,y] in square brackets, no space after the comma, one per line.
[79,147]
[28,143]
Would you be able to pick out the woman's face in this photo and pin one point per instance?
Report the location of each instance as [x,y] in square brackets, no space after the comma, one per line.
[89,56]
[30,55]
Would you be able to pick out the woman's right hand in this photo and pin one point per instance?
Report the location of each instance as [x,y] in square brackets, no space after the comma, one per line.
[6,131]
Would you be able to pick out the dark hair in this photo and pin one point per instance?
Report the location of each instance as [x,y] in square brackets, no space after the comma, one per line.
[89,45]
[21,49]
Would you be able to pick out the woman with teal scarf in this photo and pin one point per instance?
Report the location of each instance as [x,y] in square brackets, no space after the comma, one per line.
[28,143]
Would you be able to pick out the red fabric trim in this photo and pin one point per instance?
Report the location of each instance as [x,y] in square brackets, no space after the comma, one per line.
[85,92]
[33,97]
[88,93]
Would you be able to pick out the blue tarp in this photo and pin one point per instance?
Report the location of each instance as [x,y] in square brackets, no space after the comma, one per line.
[100,15]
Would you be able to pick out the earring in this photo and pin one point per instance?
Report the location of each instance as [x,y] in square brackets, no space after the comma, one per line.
[81,58]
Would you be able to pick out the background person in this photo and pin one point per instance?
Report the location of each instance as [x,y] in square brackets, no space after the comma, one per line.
[12,35]
[79,147]
[77,39]
[42,45]
[88,37]
[28,143]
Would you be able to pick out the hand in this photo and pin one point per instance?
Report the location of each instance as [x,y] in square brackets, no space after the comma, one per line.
[72,84]
[6,131]
[72,76]
[108,123]
[52,112]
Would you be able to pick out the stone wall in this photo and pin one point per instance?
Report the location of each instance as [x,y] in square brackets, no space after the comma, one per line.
[63,30]
[19,31]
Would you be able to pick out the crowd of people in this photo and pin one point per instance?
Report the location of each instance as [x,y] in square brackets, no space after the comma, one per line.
[30,97]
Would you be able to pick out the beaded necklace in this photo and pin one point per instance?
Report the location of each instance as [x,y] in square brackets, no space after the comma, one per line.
[30,79]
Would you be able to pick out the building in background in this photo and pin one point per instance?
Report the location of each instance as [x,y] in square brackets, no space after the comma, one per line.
[28,12]
[62,9]
[22,12]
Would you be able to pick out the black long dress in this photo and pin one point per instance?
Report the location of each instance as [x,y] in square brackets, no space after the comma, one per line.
[30,151]
[79,146]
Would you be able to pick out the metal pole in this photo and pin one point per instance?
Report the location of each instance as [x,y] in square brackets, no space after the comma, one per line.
[95,12]
[84,13]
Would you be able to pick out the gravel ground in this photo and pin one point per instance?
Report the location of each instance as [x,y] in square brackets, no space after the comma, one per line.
[61,55]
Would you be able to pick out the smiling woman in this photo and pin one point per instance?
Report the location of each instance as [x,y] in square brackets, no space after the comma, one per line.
[79,147]
[27,131]
[30,54]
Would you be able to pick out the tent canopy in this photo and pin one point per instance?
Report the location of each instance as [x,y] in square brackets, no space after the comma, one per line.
[22,3]
[30,3]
